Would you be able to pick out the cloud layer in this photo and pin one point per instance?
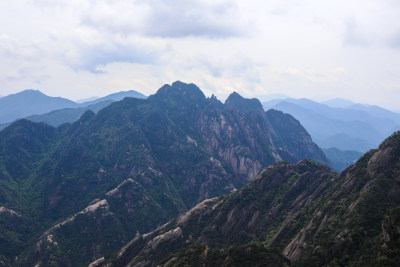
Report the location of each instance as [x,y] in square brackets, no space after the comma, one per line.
[80,48]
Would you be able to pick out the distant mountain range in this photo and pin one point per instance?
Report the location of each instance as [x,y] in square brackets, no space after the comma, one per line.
[36,106]
[338,103]
[291,214]
[75,193]
[60,116]
[340,123]
[346,127]
[341,159]
[80,101]
[178,178]
[30,102]
[116,97]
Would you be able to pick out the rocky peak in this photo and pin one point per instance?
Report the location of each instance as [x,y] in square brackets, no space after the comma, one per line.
[236,101]
[180,93]
[213,101]
[288,131]
[314,216]
[177,147]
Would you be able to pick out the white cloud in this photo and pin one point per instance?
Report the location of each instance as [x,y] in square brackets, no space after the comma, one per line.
[180,18]
[161,18]
[90,50]
[376,24]
[332,48]
[12,49]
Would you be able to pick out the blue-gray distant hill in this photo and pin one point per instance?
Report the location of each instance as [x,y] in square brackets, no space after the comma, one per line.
[341,159]
[355,127]
[55,115]
[115,97]
[66,115]
[338,103]
[30,102]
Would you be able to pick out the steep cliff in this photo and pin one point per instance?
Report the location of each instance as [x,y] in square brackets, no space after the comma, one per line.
[313,216]
[168,153]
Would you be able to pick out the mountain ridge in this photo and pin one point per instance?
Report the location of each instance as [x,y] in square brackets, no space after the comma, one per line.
[315,217]
[340,124]
[177,147]
[57,116]
[30,102]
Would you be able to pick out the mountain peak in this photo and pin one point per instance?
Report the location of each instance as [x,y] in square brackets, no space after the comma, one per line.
[179,91]
[115,97]
[25,93]
[236,101]
[30,102]
[188,88]
[32,91]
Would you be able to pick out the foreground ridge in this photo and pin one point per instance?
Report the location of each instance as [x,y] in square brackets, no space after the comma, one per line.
[302,212]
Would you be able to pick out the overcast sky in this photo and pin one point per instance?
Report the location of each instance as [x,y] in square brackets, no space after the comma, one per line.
[313,49]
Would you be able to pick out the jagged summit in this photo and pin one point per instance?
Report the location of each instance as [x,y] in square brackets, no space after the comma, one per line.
[213,101]
[180,92]
[186,86]
[131,167]
[189,93]
[236,101]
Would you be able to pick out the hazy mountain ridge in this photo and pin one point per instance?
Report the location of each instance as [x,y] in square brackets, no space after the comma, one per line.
[30,102]
[352,127]
[36,106]
[338,103]
[341,159]
[84,100]
[168,152]
[313,216]
[116,97]
[60,116]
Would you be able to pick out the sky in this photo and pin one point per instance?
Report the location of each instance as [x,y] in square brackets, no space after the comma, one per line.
[312,49]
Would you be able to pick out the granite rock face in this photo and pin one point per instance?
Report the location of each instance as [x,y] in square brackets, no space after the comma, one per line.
[92,185]
[311,215]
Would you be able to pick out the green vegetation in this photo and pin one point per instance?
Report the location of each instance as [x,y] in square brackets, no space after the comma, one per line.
[254,254]
[311,215]
[355,127]
[84,189]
